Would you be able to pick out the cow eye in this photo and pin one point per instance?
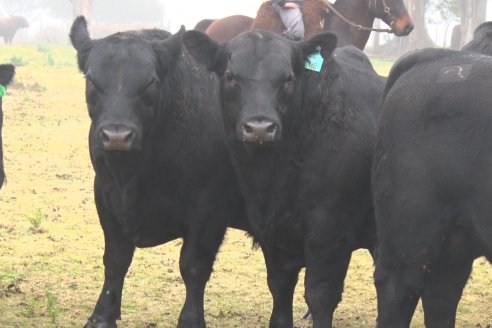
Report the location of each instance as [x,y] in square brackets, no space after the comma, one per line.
[152,84]
[288,83]
[90,85]
[229,77]
[230,81]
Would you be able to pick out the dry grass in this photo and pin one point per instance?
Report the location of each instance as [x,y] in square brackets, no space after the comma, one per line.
[51,244]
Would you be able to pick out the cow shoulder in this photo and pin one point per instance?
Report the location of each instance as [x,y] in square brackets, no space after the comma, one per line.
[411,60]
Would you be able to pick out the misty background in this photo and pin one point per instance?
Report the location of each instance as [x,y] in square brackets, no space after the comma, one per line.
[50,20]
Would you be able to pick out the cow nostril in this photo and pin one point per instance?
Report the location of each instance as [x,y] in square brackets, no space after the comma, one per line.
[104,136]
[128,138]
[272,128]
[247,129]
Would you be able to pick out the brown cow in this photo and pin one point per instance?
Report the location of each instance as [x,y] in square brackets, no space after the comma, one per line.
[9,26]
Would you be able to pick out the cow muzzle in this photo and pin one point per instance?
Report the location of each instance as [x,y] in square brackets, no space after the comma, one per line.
[117,137]
[260,130]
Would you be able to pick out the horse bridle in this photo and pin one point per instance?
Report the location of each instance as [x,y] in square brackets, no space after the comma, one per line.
[387,11]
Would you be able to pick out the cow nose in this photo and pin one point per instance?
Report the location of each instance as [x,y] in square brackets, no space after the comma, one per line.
[117,139]
[259,130]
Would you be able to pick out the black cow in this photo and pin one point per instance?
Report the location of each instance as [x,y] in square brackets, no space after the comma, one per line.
[432,184]
[301,142]
[162,169]
[482,40]
[7,72]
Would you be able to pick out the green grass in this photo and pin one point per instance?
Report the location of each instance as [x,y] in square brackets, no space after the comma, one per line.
[56,276]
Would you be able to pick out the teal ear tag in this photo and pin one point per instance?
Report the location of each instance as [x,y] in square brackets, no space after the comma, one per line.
[314,61]
[3,91]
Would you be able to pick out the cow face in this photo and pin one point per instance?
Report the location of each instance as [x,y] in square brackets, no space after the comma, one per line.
[259,72]
[123,81]
[6,75]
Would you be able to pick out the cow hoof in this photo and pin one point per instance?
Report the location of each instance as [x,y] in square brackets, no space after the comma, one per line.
[99,323]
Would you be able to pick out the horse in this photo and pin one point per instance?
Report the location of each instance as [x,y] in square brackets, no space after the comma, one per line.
[203,24]
[350,20]
[9,26]
[227,28]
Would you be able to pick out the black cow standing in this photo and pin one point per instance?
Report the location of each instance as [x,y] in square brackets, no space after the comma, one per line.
[432,184]
[162,169]
[7,72]
[302,143]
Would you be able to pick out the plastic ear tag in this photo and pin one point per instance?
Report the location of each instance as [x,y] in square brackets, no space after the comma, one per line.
[314,61]
[3,91]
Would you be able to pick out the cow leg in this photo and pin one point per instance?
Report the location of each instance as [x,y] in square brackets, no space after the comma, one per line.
[282,280]
[397,296]
[443,291]
[195,263]
[325,273]
[118,254]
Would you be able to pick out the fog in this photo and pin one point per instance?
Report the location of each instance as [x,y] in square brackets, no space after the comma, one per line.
[50,20]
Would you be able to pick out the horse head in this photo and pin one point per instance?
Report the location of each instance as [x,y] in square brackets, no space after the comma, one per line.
[394,13]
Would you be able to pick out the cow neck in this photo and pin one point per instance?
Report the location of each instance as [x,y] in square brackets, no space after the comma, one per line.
[269,178]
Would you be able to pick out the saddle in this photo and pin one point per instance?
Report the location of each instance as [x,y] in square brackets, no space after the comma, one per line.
[313,16]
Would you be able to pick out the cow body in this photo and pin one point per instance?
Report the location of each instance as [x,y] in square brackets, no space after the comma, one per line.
[162,169]
[7,72]
[301,142]
[9,26]
[432,184]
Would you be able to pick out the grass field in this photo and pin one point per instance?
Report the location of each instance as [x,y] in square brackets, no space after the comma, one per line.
[51,244]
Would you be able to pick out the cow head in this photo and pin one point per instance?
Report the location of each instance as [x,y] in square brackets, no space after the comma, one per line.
[394,13]
[482,40]
[20,21]
[259,73]
[124,75]
[6,74]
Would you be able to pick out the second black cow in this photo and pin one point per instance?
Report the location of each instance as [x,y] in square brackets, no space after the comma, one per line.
[162,169]
[432,181]
[301,142]
[7,72]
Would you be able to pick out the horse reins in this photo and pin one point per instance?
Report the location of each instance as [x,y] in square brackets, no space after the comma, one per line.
[387,11]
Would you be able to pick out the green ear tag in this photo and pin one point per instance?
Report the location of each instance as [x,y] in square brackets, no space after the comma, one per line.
[314,61]
[3,91]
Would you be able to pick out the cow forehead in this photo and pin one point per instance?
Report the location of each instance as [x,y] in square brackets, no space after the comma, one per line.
[122,62]
[256,54]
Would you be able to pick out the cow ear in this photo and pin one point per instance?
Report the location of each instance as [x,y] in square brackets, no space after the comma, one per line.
[7,72]
[324,42]
[81,41]
[202,48]
[169,50]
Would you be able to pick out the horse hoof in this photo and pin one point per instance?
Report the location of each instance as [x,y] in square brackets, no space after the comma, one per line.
[99,323]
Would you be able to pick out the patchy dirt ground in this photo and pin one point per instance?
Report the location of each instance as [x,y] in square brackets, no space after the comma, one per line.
[51,244]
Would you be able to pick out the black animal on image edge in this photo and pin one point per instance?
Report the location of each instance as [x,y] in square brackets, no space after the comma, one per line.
[301,143]
[432,184]
[162,170]
[7,72]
